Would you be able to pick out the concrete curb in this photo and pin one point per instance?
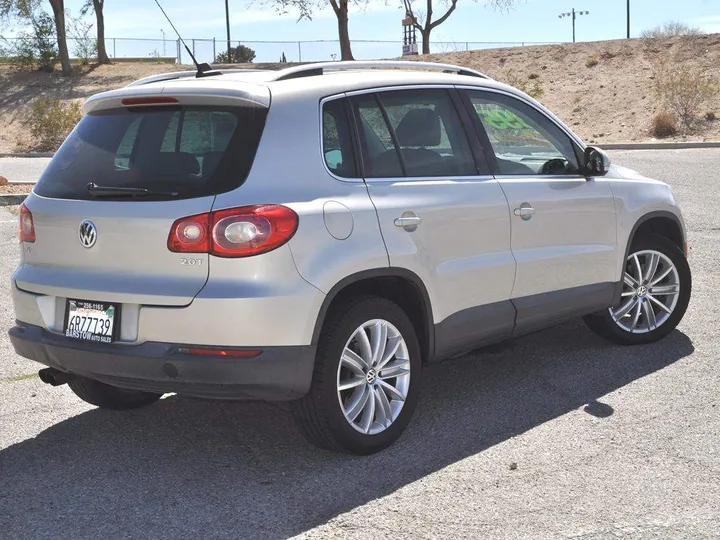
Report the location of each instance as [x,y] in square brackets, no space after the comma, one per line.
[658,146]
[27,155]
[12,200]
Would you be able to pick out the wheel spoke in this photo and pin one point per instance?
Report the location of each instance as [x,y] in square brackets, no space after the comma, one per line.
[354,362]
[351,383]
[624,310]
[402,367]
[383,412]
[636,316]
[378,340]
[357,403]
[649,315]
[659,304]
[394,392]
[390,350]
[364,345]
[658,279]
[662,290]
[628,293]
[630,281]
[368,413]
[638,267]
[652,265]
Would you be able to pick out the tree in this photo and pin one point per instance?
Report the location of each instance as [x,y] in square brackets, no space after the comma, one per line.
[98,6]
[450,6]
[25,9]
[238,55]
[306,8]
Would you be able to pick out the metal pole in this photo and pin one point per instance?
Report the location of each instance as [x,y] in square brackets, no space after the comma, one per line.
[114,52]
[467,47]
[214,53]
[299,52]
[573,17]
[179,52]
[193,42]
[628,19]
[227,25]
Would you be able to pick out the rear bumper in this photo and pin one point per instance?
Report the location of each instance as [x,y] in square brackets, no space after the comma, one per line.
[278,374]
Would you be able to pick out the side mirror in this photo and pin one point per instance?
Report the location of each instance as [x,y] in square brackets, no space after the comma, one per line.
[597,162]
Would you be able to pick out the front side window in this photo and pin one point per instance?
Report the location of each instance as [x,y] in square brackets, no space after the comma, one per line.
[524,141]
[414,133]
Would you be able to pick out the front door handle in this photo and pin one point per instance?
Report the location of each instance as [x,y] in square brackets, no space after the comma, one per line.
[408,221]
[526,211]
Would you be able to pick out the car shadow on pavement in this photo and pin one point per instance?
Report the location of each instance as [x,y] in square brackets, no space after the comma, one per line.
[192,468]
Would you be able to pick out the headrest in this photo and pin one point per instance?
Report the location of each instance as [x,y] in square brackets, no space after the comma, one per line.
[419,127]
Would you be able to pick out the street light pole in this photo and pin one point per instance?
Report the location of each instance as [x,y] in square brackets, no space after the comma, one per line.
[574,14]
[628,19]
[227,25]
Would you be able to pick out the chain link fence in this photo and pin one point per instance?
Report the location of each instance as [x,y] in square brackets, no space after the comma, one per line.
[206,50]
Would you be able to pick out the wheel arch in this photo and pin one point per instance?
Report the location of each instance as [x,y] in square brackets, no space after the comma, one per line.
[399,285]
[660,222]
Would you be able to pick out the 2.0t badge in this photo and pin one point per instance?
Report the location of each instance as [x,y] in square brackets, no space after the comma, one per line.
[88,234]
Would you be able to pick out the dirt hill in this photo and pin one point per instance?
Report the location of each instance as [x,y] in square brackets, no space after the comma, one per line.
[603,90]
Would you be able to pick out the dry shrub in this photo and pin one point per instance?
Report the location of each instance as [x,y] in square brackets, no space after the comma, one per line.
[710,116]
[534,89]
[3,180]
[592,61]
[51,121]
[684,89]
[663,125]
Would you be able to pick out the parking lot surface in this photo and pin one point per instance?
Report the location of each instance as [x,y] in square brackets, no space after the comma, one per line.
[555,435]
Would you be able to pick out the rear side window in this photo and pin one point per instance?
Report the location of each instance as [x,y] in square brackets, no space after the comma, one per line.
[337,143]
[413,133]
[191,151]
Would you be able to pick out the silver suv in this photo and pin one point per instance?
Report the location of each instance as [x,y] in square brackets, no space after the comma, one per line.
[318,234]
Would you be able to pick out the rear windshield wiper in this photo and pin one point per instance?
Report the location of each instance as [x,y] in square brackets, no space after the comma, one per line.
[120,191]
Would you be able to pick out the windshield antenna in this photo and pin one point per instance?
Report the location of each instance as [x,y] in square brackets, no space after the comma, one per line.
[204,69]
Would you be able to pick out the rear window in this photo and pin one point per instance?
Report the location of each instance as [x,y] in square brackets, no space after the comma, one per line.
[173,152]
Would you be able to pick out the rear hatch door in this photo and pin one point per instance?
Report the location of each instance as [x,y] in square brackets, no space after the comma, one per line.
[105,206]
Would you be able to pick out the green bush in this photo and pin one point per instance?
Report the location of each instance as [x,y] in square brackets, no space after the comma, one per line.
[238,55]
[38,48]
[51,121]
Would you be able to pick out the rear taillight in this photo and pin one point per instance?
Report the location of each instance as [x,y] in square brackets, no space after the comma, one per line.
[237,232]
[26,226]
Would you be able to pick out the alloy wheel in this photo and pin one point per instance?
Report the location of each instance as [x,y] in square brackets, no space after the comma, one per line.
[373,376]
[651,288]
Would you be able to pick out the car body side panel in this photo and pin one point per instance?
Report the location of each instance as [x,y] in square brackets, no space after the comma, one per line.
[636,197]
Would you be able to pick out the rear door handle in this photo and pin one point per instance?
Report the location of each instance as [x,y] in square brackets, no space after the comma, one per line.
[408,221]
[526,211]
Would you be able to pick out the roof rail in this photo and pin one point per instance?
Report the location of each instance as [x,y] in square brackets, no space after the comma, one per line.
[185,75]
[311,70]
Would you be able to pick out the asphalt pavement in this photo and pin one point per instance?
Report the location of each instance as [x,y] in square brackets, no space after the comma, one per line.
[18,169]
[555,435]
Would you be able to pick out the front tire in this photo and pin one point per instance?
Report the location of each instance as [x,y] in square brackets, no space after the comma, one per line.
[656,292]
[110,397]
[366,380]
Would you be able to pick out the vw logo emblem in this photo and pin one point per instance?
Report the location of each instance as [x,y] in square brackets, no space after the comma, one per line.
[88,234]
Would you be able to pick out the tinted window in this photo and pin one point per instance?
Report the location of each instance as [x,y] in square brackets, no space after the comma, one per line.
[337,144]
[524,140]
[380,155]
[195,151]
[423,125]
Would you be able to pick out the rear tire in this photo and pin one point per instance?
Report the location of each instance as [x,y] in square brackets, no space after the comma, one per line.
[110,397]
[638,325]
[366,380]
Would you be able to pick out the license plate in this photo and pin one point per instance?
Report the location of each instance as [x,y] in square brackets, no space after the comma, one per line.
[91,321]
